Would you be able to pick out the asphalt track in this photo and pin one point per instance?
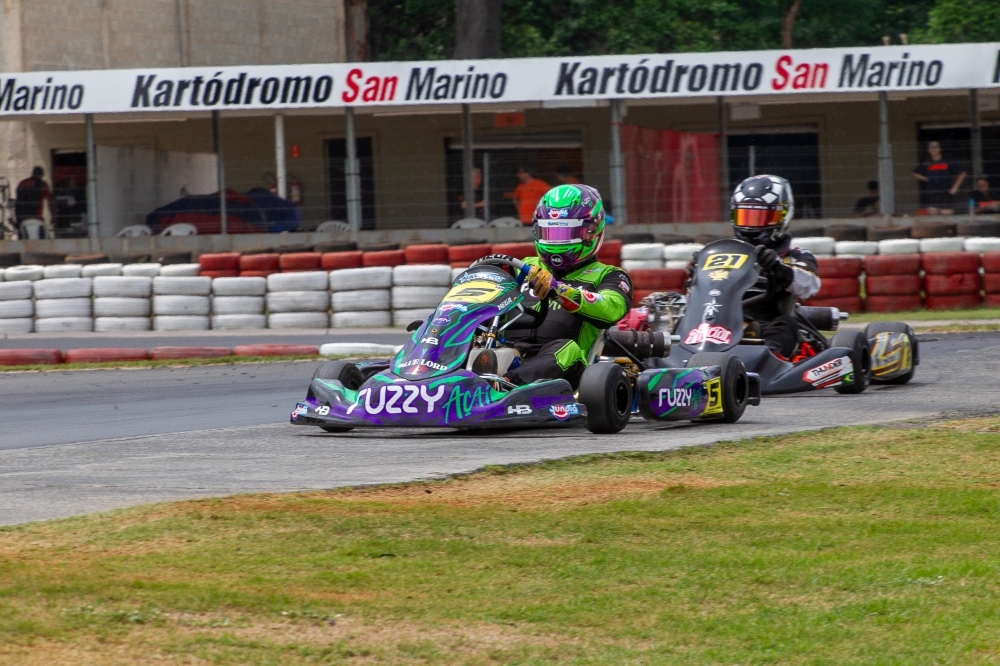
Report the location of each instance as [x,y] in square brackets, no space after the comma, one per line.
[73,442]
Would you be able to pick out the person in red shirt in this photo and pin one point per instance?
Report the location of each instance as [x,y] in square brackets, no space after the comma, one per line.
[527,195]
[939,181]
[981,198]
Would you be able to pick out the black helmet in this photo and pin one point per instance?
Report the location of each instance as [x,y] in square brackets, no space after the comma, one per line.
[761,208]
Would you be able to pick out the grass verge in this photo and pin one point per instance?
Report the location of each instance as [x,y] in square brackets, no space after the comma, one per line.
[168,363]
[856,545]
[928,315]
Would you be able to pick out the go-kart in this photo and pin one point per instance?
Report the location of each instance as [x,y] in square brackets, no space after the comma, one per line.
[710,322]
[431,382]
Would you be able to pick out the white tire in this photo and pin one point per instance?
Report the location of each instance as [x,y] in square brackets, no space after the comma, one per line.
[17,273]
[241,305]
[426,275]
[409,298]
[180,270]
[114,306]
[298,320]
[1,273]
[677,263]
[15,291]
[375,319]
[17,309]
[16,326]
[112,324]
[899,246]
[642,251]
[354,279]
[632,264]
[681,251]
[305,281]
[929,245]
[298,301]
[856,248]
[93,270]
[64,325]
[59,308]
[361,300]
[180,323]
[62,271]
[182,286]
[405,317]
[240,286]
[64,288]
[237,322]
[123,286]
[818,245]
[982,244]
[358,349]
[174,305]
[139,270]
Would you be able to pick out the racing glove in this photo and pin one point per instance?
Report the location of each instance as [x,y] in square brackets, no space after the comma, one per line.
[691,268]
[779,274]
[540,281]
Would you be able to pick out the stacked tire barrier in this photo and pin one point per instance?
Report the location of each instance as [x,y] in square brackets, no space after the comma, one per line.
[122,303]
[647,280]
[64,305]
[361,297]
[991,278]
[181,303]
[417,290]
[298,300]
[840,283]
[238,303]
[892,283]
[17,309]
[951,280]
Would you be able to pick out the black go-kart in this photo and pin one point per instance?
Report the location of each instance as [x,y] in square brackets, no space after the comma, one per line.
[708,324]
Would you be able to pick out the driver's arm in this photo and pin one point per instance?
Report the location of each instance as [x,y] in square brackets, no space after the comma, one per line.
[605,304]
[805,274]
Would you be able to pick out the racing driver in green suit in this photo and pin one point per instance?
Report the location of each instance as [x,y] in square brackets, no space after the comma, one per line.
[585,296]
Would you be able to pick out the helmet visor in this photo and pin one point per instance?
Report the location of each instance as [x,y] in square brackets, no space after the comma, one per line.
[563,231]
[758,218]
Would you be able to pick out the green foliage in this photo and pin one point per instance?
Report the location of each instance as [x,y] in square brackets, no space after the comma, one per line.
[963,21]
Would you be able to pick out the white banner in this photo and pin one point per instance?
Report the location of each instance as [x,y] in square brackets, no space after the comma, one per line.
[938,67]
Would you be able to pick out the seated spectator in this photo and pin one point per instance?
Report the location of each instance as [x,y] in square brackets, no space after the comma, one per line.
[867,206]
[980,199]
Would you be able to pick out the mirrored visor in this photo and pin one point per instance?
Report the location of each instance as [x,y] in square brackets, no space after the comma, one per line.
[756,218]
[561,231]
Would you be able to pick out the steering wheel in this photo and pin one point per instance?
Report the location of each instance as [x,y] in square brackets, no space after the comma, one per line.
[517,267]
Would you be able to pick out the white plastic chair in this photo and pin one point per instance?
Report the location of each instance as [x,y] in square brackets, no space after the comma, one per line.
[506,223]
[469,223]
[135,231]
[180,229]
[333,227]
[32,229]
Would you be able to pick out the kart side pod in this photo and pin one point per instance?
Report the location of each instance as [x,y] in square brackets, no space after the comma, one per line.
[703,392]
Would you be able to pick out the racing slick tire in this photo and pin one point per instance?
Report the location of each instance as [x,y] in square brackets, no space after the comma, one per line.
[735,383]
[857,342]
[606,392]
[344,372]
[875,328]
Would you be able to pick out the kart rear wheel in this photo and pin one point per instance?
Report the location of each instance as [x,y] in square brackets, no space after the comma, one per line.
[735,383]
[861,359]
[606,391]
[344,372]
[875,328]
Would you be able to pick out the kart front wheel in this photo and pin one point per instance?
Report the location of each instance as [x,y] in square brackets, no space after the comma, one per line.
[344,372]
[860,358]
[606,391]
[873,329]
[735,383]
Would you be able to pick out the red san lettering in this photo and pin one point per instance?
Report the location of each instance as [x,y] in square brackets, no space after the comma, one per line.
[779,67]
[807,76]
[370,89]
[352,93]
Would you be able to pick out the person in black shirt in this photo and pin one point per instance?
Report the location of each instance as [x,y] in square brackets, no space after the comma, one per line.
[939,181]
[868,205]
[31,195]
[982,200]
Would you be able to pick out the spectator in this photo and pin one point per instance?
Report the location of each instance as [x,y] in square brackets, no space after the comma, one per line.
[527,195]
[980,200]
[939,181]
[565,176]
[867,206]
[33,196]
[477,187]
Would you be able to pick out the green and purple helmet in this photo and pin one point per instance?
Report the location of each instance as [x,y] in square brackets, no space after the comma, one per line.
[569,226]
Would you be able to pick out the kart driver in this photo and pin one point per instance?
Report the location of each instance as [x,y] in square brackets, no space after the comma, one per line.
[585,295]
[762,208]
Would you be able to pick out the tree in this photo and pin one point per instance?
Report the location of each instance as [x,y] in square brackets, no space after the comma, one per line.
[962,21]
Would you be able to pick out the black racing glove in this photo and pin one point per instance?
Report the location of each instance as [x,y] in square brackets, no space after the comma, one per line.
[779,274]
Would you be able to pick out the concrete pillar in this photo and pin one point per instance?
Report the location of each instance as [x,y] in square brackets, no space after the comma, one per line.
[469,191]
[886,187]
[619,209]
[279,155]
[93,225]
[220,170]
[352,173]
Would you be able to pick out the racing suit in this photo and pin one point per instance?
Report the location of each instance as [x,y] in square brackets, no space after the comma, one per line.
[585,301]
[793,278]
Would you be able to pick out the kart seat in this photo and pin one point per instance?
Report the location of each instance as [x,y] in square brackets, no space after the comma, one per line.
[505,356]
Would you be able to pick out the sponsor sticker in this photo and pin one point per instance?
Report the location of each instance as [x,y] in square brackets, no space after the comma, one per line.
[829,372]
[718,276]
[520,410]
[323,410]
[441,321]
[563,412]
[430,340]
[711,309]
[590,297]
[623,285]
[676,397]
[729,262]
[422,362]
[713,387]
[718,335]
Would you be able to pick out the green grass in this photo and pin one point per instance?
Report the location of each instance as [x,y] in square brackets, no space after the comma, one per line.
[167,363]
[928,315]
[850,546]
